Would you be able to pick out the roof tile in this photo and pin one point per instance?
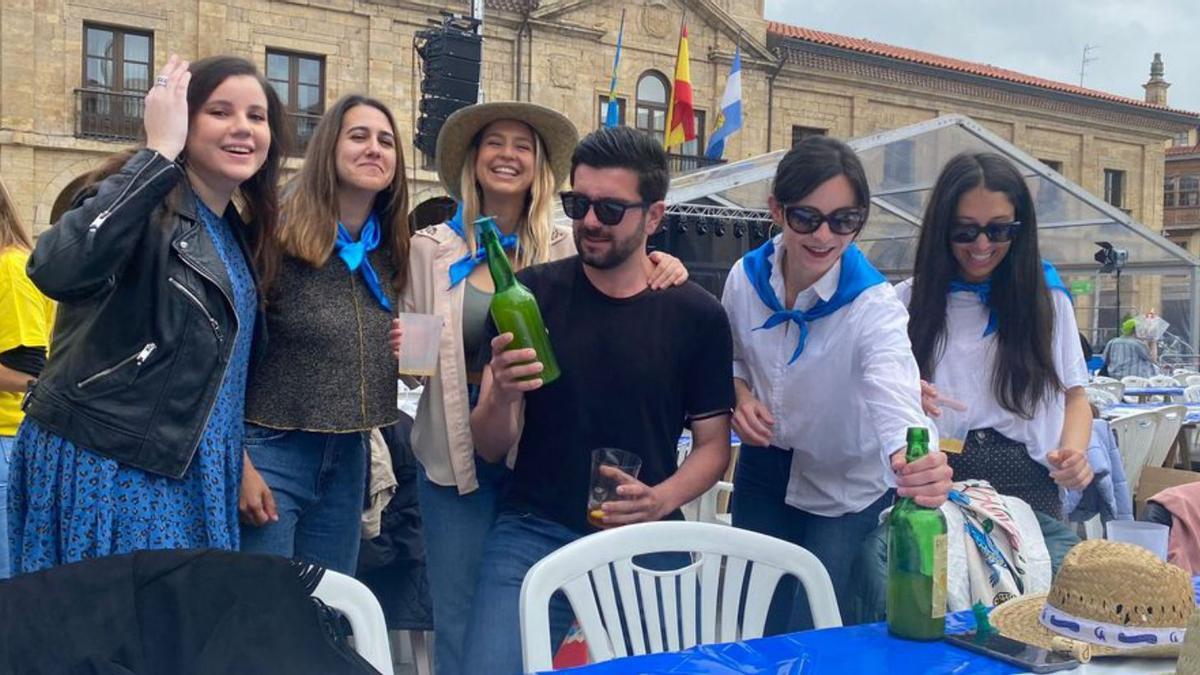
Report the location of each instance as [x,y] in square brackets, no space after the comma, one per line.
[925,58]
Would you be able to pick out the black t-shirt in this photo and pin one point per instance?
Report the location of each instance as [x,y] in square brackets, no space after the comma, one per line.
[634,370]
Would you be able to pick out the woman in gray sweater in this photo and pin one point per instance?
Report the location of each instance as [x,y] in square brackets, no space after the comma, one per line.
[328,377]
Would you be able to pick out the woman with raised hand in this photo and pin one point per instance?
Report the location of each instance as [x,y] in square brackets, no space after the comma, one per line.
[826,383]
[329,376]
[504,160]
[133,433]
[25,323]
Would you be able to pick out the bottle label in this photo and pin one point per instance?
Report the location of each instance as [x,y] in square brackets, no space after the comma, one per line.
[939,576]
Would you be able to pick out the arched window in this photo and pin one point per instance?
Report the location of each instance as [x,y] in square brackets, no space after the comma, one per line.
[652,99]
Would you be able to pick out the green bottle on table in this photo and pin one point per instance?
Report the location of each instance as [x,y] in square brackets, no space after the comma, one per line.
[916,587]
[514,309]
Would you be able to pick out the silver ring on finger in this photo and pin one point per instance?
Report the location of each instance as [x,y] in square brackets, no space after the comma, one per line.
[160,81]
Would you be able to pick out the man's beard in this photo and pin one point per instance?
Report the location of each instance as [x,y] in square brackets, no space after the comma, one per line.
[619,250]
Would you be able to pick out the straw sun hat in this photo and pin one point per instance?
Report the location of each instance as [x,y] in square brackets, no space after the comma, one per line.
[558,135]
[1118,598]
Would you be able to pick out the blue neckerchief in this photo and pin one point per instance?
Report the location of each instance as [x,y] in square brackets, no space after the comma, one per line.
[461,268]
[857,275]
[354,254]
[983,291]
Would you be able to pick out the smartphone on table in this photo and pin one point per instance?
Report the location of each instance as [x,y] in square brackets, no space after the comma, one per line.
[1031,657]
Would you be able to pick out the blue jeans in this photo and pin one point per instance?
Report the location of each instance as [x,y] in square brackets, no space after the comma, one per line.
[760,487]
[318,481]
[455,528]
[516,542]
[6,448]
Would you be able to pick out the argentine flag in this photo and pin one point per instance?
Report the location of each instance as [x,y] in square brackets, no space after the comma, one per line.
[729,119]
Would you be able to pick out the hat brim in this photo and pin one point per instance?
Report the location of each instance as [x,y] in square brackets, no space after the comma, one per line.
[558,135]
[1018,619]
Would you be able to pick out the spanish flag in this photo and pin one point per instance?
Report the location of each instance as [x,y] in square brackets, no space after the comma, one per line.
[681,120]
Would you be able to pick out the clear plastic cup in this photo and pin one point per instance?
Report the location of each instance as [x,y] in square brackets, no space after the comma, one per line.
[1151,536]
[602,488]
[419,345]
[952,425]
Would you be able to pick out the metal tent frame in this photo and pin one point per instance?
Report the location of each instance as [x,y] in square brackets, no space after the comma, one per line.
[902,166]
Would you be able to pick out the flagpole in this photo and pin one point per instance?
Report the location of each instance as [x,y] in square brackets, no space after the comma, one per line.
[671,93]
[612,110]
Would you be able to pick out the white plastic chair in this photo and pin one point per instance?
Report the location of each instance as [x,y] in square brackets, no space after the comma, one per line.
[1191,380]
[1184,372]
[1135,438]
[1101,398]
[1191,393]
[584,571]
[709,509]
[1170,420]
[1135,381]
[1103,378]
[1164,381]
[1115,388]
[356,602]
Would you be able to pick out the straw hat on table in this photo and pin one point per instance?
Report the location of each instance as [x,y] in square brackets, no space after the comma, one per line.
[1118,598]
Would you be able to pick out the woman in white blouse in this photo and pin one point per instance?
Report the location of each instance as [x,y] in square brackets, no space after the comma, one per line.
[992,326]
[826,383]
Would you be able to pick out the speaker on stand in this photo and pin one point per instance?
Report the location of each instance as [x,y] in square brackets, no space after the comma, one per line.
[451,54]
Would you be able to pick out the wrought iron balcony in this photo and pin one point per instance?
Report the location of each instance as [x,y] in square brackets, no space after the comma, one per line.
[109,115]
[681,164]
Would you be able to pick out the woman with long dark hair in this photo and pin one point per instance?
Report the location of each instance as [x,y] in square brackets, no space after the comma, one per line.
[826,384]
[992,326]
[133,434]
[329,376]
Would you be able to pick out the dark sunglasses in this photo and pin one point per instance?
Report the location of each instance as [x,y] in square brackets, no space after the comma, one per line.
[806,219]
[996,232]
[608,211]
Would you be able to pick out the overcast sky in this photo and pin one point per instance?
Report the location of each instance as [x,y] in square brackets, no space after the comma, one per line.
[1036,37]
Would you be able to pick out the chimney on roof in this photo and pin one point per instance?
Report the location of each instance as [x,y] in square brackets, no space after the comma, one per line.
[1156,88]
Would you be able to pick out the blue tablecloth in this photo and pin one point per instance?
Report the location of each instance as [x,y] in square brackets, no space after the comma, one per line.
[1154,391]
[842,651]
[1122,409]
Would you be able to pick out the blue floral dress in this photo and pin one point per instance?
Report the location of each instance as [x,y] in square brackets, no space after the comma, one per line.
[68,503]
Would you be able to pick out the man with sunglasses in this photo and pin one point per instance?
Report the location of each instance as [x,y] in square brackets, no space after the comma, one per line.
[637,364]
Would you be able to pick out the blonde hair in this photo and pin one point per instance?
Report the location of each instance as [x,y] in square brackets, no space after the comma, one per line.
[308,227]
[12,230]
[536,226]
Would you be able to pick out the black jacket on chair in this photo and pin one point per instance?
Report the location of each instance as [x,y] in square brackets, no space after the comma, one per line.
[146,322]
[177,612]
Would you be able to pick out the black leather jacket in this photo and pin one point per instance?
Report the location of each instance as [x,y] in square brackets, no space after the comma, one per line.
[145,322]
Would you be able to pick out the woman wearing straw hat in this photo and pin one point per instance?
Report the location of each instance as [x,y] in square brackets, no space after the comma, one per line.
[504,160]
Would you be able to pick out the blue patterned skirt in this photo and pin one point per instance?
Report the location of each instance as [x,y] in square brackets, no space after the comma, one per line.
[68,504]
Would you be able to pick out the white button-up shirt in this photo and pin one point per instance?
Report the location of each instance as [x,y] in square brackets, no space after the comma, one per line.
[967,360]
[845,405]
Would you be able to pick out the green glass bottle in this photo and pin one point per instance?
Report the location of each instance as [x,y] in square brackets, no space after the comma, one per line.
[916,587]
[514,309]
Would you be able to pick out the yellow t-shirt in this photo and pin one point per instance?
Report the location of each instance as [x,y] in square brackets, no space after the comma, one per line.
[26,319]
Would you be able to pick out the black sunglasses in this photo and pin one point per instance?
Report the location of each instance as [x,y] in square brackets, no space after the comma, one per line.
[996,232]
[806,219]
[608,211]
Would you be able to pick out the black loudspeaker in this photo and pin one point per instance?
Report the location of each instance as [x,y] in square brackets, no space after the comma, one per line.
[451,55]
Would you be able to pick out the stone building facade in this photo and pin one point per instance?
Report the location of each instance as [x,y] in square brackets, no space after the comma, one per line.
[67,65]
